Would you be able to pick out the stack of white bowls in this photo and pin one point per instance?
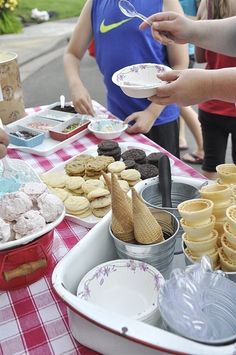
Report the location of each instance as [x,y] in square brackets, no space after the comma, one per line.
[199,237]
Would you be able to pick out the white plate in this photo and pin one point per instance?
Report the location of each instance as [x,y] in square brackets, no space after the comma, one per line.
[90,221]
[49,145]
[31,176]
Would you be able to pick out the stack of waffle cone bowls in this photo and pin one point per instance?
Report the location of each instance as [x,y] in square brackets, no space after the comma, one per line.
[140,232]
[218,235]
[227,251]
[199,237]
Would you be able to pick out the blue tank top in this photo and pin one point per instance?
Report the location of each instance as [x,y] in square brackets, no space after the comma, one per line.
[119,43]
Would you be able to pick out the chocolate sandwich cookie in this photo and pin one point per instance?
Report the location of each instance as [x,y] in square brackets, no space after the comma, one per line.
[147,171]
[107,145]
[138,155]
[109,148]
[154,158]
[112,153]
[130,164]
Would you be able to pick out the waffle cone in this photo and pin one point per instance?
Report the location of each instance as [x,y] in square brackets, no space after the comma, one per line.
[107,180]
[146,228]
[122,216]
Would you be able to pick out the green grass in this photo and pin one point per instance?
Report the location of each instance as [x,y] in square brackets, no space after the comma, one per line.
[62,8]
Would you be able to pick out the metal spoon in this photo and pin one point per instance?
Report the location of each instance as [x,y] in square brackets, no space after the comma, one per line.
[129,10]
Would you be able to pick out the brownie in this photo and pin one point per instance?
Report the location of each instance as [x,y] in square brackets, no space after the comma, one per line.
[130,164]
[138,155]
[66,108]
[154,158]
[107,145]
[147,170]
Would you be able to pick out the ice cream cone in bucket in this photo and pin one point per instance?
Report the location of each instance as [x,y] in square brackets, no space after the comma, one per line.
[107,180]
[122,216]
[146,228]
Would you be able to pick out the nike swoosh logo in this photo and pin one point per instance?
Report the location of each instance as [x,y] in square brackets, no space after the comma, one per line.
[106,28]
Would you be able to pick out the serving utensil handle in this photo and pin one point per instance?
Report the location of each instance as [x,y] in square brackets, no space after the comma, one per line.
[165,181]
[25,269]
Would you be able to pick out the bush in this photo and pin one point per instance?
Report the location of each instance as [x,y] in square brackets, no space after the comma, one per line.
[9,23]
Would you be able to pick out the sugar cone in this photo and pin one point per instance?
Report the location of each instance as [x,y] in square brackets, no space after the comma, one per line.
[107,180]
[146,228]
[122,216]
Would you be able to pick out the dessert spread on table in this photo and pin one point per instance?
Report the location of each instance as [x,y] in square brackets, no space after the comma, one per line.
[95,185]
[84,174]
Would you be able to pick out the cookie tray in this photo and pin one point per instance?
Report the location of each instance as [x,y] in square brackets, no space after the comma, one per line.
[108,332]
[90,221]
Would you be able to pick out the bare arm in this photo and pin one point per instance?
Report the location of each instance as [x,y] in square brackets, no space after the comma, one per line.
[192,86]
[75,51]
[170,27]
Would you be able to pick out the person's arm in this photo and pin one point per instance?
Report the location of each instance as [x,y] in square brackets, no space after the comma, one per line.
[170,27]
[4,141]
[192,86]
[75,51]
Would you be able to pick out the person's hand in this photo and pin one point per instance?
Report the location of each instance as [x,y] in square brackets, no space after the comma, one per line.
[82,100]
[143,122]
[185,87]
[168,27]
[4,141]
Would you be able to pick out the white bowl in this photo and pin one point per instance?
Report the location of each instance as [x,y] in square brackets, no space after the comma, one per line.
[107,128]
[118,286]
[140,80]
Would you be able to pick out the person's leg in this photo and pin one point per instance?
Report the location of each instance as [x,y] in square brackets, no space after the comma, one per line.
[215,136]
[191,119]
[167,136]
[233,138]
[182,137]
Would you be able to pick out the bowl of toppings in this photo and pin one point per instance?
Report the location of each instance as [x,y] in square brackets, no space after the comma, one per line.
[69,128]
[40,124]
[140,80]
[24,136]
[107,128]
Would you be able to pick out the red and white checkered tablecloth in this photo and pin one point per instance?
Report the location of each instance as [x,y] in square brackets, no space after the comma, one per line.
[32,319]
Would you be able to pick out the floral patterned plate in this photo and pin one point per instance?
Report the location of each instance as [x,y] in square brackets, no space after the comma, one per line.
[129,287]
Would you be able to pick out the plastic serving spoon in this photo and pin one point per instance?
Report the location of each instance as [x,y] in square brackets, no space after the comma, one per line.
[129,10]
[62,101]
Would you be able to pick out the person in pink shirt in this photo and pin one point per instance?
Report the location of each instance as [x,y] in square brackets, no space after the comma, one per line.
[217,118]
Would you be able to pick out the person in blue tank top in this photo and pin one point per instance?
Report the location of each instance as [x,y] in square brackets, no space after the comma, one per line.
[119,43]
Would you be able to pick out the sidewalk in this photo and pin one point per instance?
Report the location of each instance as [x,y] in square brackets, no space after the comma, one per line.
[38,41]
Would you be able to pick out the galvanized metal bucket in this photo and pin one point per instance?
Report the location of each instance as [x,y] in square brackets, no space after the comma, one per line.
[159,255]
[180,192]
